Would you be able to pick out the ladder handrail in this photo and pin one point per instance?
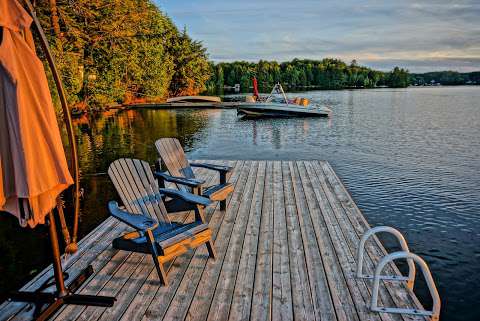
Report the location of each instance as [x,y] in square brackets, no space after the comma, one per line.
[434,313]
[403,243]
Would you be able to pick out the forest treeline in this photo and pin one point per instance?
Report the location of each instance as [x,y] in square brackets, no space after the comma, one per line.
[121,51]
[448,78]
[328,73]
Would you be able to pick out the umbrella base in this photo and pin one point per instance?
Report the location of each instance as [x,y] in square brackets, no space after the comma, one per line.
[55,301]
[63,295]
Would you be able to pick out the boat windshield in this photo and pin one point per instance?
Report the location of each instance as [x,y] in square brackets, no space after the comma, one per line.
[277,95]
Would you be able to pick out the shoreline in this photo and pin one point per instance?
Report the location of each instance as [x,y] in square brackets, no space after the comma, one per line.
[162,104]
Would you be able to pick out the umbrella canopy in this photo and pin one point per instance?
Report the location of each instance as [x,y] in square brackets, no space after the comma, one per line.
[33,166]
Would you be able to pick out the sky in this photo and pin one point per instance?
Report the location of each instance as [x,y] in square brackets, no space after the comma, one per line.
[419,35]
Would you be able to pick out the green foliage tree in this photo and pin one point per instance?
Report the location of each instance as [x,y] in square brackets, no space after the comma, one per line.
[121,51]
[328,73]
[449,78]
[191,67]
[398,78]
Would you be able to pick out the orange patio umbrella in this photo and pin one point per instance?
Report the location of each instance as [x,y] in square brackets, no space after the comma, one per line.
[33,166]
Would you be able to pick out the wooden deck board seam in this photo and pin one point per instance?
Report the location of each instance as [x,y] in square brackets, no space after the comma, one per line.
[295,228]
[236,199]
[251,187]
[323,305]
[261,305]
[344,306]
[217,230]
[195,257]
[259,188]
[282,254]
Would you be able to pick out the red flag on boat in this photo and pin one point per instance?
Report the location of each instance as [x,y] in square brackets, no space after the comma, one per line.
[255,88]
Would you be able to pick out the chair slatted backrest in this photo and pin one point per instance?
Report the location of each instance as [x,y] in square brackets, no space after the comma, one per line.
[174,158]
[138,189]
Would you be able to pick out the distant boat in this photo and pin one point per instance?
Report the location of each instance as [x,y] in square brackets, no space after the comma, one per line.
[272,106]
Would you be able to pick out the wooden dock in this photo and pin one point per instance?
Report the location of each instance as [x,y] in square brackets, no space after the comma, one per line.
[286,250]
[217,105]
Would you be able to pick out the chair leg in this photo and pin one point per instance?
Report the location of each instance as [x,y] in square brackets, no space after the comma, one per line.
[159,266]
[223,205]
[223,180]
[199,214]
[160,271]
[211,249]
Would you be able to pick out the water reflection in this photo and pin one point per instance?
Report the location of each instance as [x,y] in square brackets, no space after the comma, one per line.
[101,140]
[132,133]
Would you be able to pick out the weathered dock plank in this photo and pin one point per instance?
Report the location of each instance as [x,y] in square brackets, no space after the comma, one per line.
[344,307]
[399,295]
[358,290]
[222,298]
[322,300]
[242,295]
[282,288]
[286,250]
[262,289]
[303,308]
[202,298]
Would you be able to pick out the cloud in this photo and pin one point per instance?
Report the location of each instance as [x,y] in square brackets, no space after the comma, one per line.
[420,35]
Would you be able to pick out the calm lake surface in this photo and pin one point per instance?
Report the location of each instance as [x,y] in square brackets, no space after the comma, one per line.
[409,157]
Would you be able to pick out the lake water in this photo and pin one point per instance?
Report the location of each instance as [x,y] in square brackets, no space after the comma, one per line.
[409,157]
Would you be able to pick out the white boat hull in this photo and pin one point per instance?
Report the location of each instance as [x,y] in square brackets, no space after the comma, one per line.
[281,110]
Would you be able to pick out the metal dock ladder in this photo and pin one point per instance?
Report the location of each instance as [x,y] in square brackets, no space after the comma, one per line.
[412,259]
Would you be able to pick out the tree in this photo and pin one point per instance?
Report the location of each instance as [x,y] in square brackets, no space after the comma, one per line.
[191,68]
[121,51]
[398,78]
[328,73]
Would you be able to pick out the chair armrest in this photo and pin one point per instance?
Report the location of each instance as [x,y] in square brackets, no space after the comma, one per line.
[137,221]
[187,197]
[190,182]
[218,168]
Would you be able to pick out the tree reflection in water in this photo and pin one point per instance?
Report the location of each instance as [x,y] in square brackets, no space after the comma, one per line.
[101,140]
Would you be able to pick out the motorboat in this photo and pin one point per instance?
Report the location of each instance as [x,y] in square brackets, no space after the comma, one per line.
[278,105]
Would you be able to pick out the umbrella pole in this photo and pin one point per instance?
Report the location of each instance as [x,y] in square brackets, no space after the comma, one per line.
[57,262]
[63,295]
